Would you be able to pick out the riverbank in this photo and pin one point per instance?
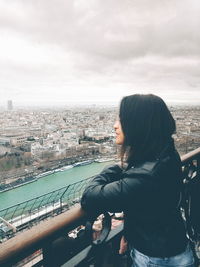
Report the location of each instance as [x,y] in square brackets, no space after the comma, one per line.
[35,176]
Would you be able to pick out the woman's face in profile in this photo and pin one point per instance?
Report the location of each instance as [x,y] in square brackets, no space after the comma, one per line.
[119,133]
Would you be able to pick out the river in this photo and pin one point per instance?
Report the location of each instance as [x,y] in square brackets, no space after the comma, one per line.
[49,183]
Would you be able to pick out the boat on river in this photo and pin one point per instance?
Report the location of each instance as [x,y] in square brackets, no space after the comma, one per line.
[68,167]
[44,174]
[104,160]
[82,163]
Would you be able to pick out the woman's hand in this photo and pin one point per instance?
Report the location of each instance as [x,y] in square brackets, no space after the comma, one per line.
[123,246]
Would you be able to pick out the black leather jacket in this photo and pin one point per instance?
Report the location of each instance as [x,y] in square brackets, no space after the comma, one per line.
[148,193]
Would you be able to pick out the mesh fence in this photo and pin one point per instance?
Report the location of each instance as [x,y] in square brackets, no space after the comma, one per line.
[24,215]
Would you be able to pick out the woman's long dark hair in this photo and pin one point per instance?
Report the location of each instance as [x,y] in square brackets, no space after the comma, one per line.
[147,125]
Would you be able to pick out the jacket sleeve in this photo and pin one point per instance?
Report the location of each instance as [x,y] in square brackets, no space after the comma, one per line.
[111,191]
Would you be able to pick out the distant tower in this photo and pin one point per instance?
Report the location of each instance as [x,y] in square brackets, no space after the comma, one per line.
[9,105]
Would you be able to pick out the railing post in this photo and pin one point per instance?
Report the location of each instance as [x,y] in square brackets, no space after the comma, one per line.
[61,198]
[198,166]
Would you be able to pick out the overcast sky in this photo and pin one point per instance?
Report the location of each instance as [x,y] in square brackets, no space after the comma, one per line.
[97,51]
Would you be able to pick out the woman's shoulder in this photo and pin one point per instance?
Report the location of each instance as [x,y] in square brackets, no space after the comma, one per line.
[167,162]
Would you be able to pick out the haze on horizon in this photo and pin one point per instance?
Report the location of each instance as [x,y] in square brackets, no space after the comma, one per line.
[96,52]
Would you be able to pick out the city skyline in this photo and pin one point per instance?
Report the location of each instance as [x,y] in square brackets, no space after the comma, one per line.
[94,52]
[73,105]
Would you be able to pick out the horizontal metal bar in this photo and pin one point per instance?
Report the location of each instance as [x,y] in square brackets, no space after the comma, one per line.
[190,156]
[26,243]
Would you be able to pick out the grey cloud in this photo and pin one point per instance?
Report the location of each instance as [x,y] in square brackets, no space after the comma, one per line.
[114,29]
[127,43]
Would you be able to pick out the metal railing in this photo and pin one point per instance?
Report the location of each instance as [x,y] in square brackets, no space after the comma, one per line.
[28,213]
[39,237]
[43,237]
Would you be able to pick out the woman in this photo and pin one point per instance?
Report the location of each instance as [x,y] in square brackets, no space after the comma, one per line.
[148,189]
